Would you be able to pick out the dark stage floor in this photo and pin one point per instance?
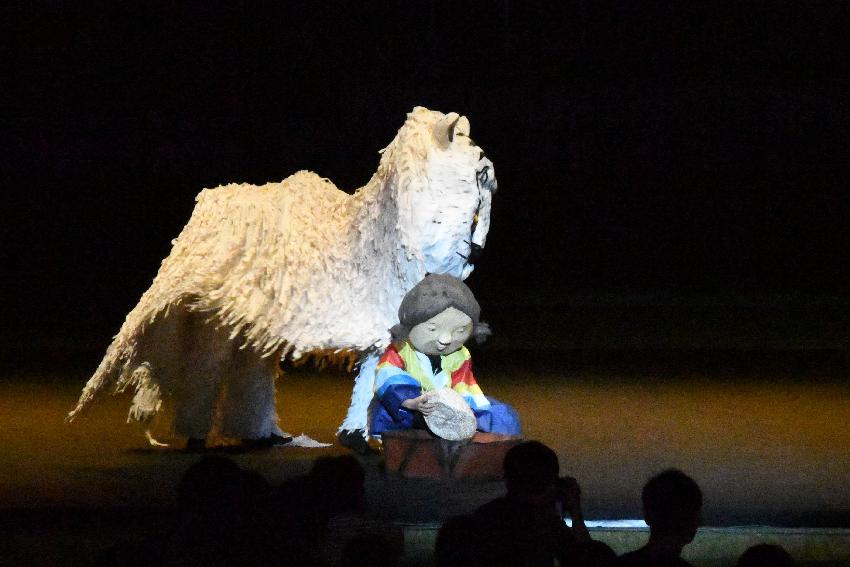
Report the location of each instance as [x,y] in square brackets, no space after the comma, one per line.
[764,434]
[765,449]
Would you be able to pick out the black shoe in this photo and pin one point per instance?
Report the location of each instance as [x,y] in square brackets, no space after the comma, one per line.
[356,441]
[272,440]
[195,445]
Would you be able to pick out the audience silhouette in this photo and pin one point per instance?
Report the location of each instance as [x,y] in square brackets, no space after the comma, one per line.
[221,513]
[526,526]
[342,525]
[766,555]
[220,521]
[591,554]
[458,543]
[672,506]
[227,515]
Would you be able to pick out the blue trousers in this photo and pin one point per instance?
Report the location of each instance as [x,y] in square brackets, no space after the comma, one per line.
[499,418]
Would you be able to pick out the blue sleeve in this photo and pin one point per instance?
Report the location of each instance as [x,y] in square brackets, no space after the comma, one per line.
[396,386]
[394,396]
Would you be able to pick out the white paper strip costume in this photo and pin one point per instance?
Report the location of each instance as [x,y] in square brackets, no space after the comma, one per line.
[294,268]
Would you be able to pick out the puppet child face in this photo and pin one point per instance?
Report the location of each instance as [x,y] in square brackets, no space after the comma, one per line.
[442,334]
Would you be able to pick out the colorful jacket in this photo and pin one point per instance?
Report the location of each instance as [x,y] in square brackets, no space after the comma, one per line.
[404,373]
[407,371]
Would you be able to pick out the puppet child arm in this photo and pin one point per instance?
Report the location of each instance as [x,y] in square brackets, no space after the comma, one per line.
[398,391]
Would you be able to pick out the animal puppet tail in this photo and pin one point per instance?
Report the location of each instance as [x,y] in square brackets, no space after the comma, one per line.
[102,378]
[121,365]
[114,368]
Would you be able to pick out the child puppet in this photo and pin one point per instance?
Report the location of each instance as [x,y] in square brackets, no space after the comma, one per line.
[427,357]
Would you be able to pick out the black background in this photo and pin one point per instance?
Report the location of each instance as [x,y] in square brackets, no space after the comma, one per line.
[661,148]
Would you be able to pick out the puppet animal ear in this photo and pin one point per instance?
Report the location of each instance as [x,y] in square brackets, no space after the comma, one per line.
[451,125]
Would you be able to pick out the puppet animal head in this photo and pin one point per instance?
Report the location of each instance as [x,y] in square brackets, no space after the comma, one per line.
[444,185]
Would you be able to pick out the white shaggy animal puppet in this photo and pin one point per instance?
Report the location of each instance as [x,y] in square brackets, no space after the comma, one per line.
[294,268]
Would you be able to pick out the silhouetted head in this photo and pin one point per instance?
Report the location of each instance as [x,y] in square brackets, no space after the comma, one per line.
[672,503]
[765,555]
[531,468]
[590,554]
[208,482]
[338,484]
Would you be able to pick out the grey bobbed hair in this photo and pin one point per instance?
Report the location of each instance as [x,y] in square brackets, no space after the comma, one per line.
[430,297]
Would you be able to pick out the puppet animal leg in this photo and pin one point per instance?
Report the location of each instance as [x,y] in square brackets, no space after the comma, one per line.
[146,402]
[247,406]
[207,358]
[357,418]
[195,405]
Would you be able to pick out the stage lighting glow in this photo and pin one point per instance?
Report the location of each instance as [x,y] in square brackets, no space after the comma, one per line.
[611,523]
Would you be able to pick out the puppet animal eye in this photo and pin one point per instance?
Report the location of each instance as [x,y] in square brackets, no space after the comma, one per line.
[483,176]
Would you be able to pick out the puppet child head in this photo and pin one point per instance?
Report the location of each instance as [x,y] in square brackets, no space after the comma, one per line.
[438,315]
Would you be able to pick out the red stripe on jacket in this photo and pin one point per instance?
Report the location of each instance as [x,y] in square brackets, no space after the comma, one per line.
[391,356]
[464,374]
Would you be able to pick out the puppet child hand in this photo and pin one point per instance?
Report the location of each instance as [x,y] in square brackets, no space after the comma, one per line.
[422,404]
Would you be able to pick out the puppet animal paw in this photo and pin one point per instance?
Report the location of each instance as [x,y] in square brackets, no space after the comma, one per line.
[153,442]
[273,440]
[355,439]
